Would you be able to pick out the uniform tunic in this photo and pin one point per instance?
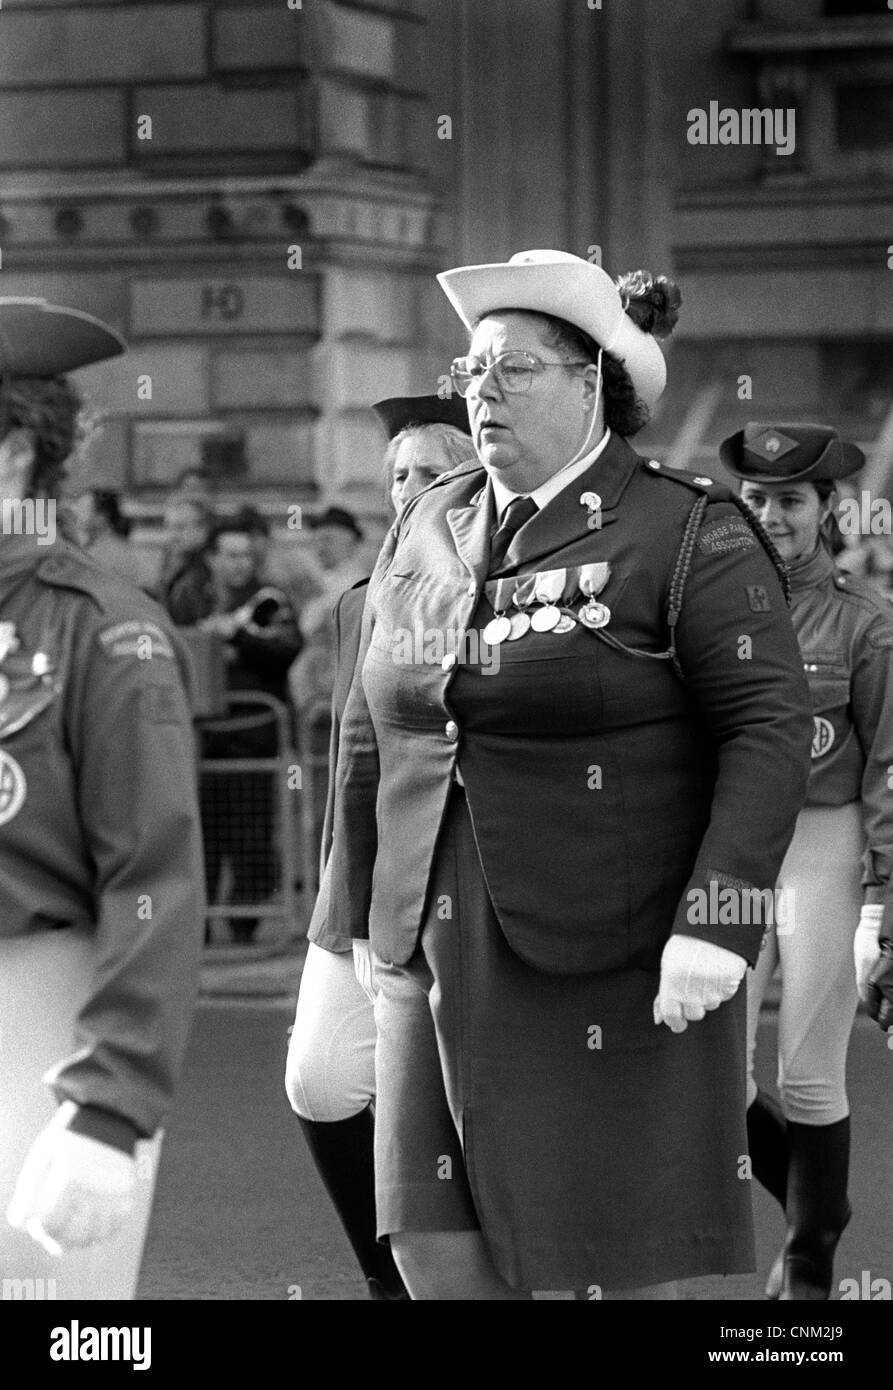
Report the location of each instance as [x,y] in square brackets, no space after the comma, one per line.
[845,631]
[603,792]
[100,860]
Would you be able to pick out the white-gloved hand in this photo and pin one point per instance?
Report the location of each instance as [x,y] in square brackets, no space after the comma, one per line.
[72,1191]
[695,976]
[866,945]
[362,965]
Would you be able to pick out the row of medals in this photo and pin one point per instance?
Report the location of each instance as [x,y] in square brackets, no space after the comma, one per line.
[547,589]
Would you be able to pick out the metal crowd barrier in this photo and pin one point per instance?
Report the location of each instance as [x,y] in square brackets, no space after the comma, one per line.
[252,817]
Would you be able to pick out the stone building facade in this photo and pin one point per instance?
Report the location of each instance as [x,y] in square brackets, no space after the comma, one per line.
[259,192]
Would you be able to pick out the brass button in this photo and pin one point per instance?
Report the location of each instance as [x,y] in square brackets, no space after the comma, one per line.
[452,730]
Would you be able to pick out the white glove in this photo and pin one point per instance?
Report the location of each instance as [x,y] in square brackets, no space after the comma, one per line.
[866,946]
[694,976]
[362,965]
[72,1191]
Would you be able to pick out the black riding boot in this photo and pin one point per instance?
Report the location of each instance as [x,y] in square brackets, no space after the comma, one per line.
[817,1208]
[767,1143]
[343,1153]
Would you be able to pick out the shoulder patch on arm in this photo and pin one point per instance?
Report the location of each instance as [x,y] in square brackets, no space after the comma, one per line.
[144,640]
[722,537]
[880,635]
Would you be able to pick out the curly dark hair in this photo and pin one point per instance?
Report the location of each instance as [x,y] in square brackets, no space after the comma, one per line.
[625,413]
[49,409]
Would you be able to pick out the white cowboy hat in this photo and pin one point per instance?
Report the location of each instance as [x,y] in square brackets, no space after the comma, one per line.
[569,288]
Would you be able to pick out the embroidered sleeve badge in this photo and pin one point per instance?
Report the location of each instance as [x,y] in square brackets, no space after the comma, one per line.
[723,537]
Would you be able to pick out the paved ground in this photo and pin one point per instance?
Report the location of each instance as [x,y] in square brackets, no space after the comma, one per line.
[240,1213]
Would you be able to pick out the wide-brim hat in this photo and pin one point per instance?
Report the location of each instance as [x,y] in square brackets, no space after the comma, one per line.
[400,412]
[566,287]
[790,453]
[337,516]
[47,340]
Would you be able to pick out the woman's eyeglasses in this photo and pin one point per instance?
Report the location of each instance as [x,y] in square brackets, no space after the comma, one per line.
[513,372]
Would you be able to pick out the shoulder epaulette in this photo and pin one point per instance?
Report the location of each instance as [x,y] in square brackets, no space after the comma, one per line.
[698,482]
[68,568]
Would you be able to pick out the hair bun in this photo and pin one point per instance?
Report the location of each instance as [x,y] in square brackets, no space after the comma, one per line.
[651,301]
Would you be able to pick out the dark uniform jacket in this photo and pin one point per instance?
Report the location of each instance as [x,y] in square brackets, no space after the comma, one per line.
[348,619]
[845,630]
[99,823]
[602,788]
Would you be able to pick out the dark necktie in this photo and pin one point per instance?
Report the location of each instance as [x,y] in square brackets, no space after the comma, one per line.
[519,510]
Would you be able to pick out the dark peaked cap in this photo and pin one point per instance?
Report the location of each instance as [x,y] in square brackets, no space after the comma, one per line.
[42,339]
[399,412]
[790,454]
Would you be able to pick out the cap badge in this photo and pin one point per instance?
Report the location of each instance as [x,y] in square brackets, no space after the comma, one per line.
[771,445]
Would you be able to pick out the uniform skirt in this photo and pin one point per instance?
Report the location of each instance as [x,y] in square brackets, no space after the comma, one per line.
[44,979]
[594,1149]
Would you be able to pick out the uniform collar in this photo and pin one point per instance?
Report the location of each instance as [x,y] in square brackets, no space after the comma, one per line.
[503,495]
[810,571]
[560,523]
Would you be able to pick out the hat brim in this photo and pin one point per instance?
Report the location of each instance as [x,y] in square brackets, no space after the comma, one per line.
[580,293]
[400,412]
[48,340]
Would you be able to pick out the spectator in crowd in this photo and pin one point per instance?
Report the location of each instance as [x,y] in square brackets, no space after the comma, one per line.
[194,481]
[336,541]
[187,525]
[259,628]
[103,531]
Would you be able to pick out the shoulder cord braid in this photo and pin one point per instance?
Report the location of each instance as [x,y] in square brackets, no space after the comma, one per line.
[684,559]
[768,544]
[680,575]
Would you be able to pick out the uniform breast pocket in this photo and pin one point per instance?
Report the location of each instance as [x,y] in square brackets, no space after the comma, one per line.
[829,685]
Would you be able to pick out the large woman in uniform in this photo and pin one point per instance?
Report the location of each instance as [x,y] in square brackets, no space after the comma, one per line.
[101,888]
[838,869]
[330,1071]
[611,732]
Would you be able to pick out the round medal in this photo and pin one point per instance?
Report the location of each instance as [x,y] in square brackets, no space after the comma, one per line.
[520,625]
[595,615]
[565,623]
[544,619]
[496,631]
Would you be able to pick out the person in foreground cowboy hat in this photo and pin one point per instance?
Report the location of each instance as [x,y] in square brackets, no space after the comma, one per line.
[618,726]
[838,872]
[101,893]
[330,1072]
